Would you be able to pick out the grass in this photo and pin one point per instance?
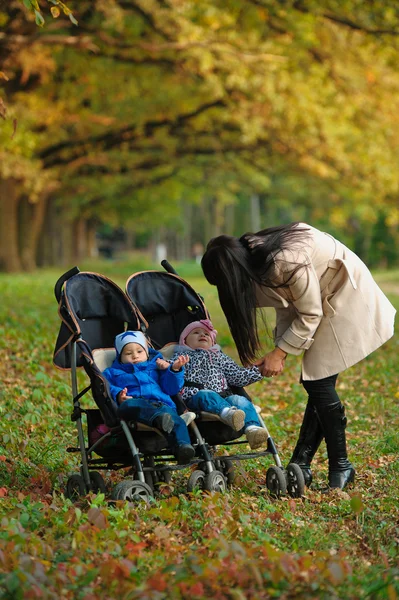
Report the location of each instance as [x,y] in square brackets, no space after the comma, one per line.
[243,544]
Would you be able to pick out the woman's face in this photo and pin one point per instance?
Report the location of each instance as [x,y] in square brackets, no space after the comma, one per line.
[199,338]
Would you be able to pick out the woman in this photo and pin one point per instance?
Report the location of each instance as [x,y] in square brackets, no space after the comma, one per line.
[328,307]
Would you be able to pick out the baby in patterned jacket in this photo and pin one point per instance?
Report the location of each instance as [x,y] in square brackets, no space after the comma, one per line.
[209,373]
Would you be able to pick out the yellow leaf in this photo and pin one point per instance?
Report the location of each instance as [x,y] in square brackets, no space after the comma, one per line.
[356,504]
[55,11]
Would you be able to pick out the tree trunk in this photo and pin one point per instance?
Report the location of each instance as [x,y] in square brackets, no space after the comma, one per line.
[67,250]
[255,213]
[9,200]
[31,226]
[184,241]
[229,219]
[91,239]
[218,217]
[79,246]
[130,239]
[159,249]
[49,252]
[208,216]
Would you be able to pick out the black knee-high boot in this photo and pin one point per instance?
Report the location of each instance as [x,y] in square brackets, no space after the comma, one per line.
[310,437]
[333,422]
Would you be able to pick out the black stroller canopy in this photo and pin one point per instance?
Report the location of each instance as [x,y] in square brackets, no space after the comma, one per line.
[167,302]
[91,306]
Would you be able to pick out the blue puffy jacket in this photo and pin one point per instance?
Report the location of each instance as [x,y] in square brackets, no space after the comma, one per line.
[145,380]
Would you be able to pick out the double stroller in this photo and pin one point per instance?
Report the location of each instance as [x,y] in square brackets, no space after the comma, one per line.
[93,310]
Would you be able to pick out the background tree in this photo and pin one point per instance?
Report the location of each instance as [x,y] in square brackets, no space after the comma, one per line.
[151,113]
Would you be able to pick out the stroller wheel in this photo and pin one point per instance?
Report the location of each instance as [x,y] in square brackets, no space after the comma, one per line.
[196,481]
[75,487]
[133,491]
[295,481]
[215,482]
[276,482]
[97,483]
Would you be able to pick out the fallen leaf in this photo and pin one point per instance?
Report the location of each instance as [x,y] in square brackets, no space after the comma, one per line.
[96,517]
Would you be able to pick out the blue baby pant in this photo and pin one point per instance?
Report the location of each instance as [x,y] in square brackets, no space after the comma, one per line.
[213,402]
[145,411]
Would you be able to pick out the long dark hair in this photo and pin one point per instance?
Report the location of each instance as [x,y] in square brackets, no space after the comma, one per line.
[236,265]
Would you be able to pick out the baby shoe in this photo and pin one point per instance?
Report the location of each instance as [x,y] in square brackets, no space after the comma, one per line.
[184,453]
[256,436]
[163,422]
[188,417]
[234,417]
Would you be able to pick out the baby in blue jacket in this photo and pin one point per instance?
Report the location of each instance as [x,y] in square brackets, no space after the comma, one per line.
[141,383]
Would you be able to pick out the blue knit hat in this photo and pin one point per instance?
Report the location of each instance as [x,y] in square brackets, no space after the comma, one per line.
[128,337]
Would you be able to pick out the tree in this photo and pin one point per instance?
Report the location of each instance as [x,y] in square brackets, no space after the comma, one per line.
[145,104]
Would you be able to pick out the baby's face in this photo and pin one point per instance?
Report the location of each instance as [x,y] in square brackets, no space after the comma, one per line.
[133,353]
[199,338]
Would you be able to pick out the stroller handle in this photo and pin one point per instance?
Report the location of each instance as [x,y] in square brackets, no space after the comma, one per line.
[168,267]
[62,280]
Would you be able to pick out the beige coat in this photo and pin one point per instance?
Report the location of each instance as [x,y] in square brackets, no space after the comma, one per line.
[333,310]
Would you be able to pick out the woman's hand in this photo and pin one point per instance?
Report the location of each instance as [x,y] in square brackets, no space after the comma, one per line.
[272,363]
[122,396]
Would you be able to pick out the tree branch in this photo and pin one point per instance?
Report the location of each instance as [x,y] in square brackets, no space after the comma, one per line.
[106,141]
[347,22]
[88,168]
[147,18]
[358,27]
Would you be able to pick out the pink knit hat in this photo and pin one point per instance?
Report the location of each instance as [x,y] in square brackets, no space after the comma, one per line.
[205,324]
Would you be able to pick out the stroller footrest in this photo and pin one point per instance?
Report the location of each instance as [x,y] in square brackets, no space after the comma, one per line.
[142,427]
[207,416]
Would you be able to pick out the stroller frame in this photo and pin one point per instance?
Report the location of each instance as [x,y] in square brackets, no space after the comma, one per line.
[148,465]
[71,352]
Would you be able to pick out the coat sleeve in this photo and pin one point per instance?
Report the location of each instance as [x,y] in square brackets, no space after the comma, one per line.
[114,389]
[284,318]
[304,312]
[239,376]
[170,381]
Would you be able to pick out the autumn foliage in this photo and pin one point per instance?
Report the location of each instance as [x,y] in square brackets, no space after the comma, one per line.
[158,115]
[243,544]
